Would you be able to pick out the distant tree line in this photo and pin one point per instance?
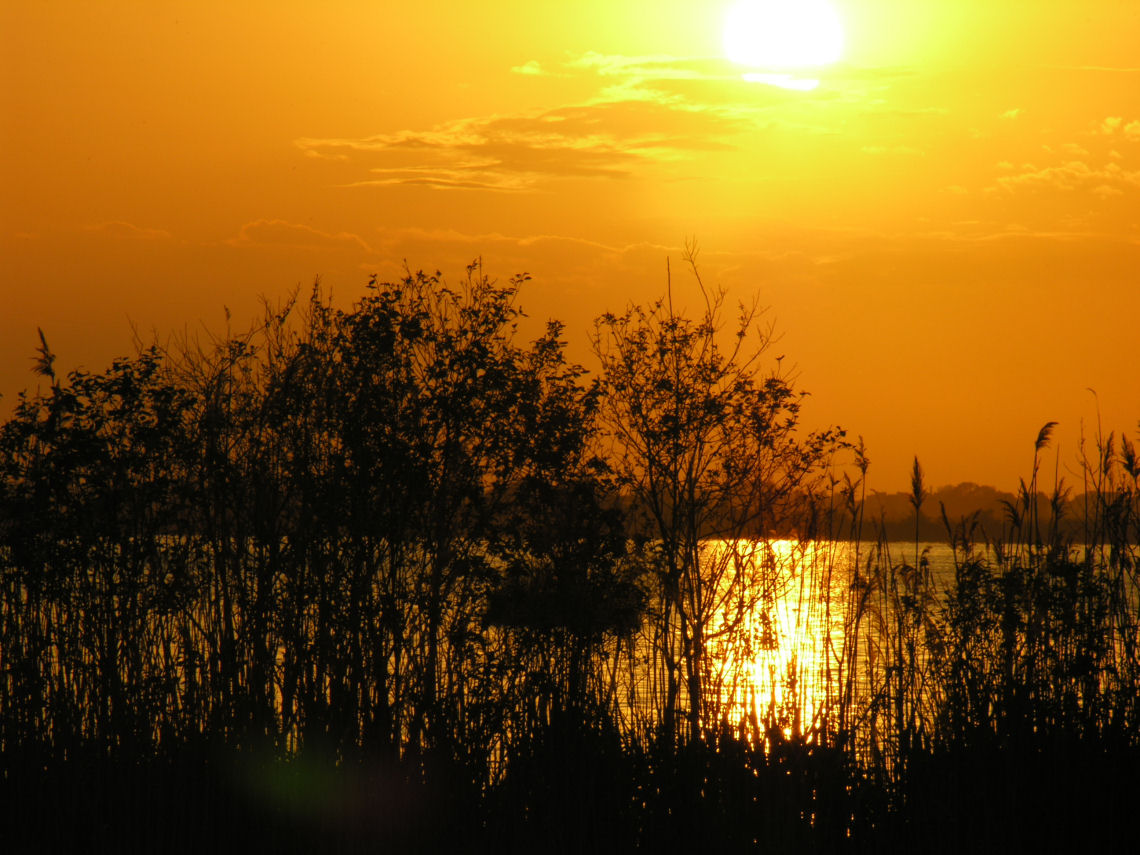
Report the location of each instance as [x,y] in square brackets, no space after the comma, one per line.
[395,537]
[993,511]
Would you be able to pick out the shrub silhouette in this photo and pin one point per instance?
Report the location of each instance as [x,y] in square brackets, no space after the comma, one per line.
[356,569]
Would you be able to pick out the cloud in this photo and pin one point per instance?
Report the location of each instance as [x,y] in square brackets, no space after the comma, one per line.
[1073,176]
[643,112]
[531,68]
[394,237]
[601,140]
[1011,114]
[1132,131]
[461,176]
[128,231]
[654,67]
[711,85]
[282,233]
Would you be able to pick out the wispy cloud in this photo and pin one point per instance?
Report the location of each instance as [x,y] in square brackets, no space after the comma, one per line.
[1118,126]
[127,231]
[655,67]
[1072,176]
[656,118]
[643,111]
[1099,164]
[606,139]
[395,237]
[1111,125]
[283,233]
[533,68]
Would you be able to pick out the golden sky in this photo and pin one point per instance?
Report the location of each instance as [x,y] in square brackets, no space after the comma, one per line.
[946,230]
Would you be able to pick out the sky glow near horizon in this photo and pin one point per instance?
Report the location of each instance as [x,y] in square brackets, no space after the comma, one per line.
[946,228]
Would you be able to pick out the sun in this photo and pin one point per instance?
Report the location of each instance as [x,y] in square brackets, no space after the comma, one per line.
[783,34]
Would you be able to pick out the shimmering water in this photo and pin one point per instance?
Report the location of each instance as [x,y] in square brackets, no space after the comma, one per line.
[794,630]
[819,628]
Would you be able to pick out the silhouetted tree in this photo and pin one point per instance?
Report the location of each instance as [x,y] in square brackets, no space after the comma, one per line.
[706,441]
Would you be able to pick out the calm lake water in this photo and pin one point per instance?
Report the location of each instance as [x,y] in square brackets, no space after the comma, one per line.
[808,650]
[781,646]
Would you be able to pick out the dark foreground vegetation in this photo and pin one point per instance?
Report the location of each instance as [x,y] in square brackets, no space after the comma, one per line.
[387,579]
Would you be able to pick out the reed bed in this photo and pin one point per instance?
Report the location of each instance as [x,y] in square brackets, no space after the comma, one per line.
[348,574]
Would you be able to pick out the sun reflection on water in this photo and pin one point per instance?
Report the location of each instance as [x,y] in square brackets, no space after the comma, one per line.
[782,668]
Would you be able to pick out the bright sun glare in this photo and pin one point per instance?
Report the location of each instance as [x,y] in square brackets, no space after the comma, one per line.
[783,34]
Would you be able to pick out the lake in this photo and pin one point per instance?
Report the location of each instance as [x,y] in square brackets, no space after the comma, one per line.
[795,633]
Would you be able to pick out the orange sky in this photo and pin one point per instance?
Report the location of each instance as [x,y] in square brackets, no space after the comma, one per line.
[947,230]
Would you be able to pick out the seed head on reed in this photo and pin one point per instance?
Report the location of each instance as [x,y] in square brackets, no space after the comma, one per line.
[1128,457]
[45,359]
[917,490]
[1043,435]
